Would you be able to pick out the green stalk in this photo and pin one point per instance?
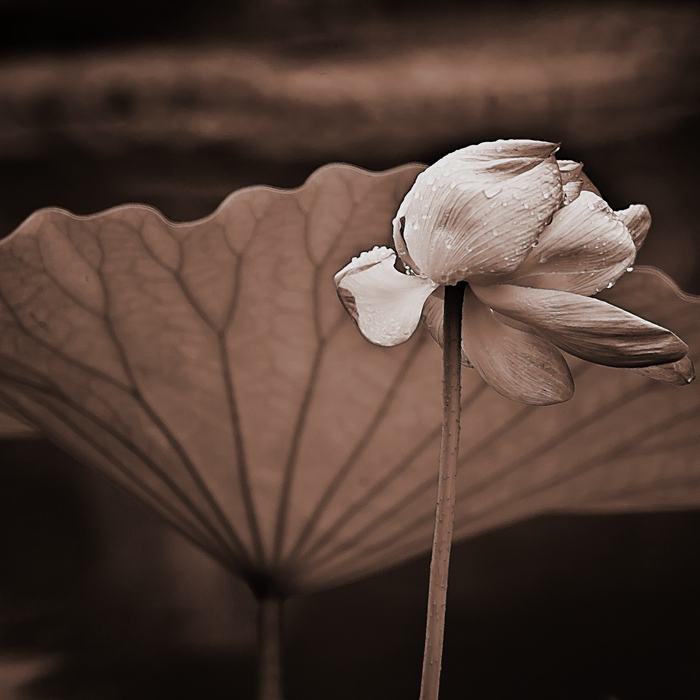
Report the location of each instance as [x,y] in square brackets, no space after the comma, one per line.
[447,478]
[269,648]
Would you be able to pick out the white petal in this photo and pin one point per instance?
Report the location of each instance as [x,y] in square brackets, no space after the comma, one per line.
[586,248]
[589,328]
[478,210]
[385,304]
[517,364]
[638,221]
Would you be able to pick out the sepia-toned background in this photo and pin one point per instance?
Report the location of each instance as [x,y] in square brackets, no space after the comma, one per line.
[102,104]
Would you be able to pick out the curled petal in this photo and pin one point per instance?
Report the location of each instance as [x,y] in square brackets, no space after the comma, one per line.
[638,221]
[519,365]
[588,328]
[586,248]
[434,318]
[385,304]
[679,373]
[478,210]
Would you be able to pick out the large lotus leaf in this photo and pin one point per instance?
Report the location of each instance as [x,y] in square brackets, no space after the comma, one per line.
[210,369]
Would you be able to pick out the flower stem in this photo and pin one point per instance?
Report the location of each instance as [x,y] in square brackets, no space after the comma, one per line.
[447,477]
[269,648]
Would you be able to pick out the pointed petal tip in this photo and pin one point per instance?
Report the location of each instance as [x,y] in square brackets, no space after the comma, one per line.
[680,373]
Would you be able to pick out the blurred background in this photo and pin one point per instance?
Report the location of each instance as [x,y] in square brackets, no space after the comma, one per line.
[105,103]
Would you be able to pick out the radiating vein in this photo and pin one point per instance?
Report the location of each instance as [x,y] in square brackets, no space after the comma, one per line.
[53,391]
[422,522]
[359,504]
[352,459]
[173,516]
[234,414]
[165,431]
[475,487]
[307,397]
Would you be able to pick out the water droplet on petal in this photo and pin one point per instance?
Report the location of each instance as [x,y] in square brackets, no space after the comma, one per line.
[535,244]
[630,268]
[491,192]
[610,284]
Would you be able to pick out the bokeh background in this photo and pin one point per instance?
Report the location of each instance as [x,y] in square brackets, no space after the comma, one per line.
[176,106]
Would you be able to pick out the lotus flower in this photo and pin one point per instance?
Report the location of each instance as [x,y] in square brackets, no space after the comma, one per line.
[534,241]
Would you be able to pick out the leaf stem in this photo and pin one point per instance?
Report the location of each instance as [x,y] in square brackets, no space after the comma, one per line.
[269,648]
[447,477]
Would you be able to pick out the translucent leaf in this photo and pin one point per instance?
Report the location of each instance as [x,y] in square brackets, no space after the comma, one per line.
[210,369]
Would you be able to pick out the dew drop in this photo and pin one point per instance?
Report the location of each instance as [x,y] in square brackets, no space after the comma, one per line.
[535,244]
[609,285]
[545,195]
[505,204]
[591,206]
[630,268]
[491,192]
[526,205]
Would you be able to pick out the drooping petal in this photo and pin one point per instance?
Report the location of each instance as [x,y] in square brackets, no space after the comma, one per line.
[588,328]
[638,221]
[586,248]
[478,210]
[519,365]
[385,304]
[434,319]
